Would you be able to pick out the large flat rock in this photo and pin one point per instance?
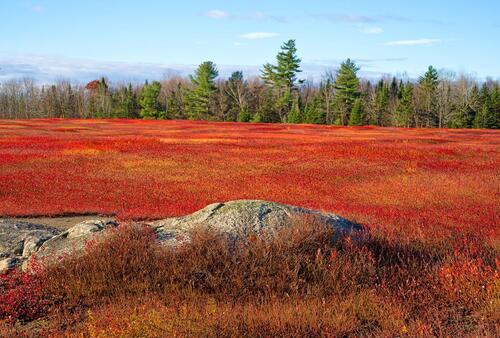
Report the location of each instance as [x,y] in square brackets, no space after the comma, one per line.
[21,241]
[239,219]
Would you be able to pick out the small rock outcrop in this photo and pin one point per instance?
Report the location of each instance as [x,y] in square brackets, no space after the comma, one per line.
[19,240]
[72,240]
[238,219]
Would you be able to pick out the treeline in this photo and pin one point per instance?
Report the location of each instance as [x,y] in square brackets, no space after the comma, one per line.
[278,95]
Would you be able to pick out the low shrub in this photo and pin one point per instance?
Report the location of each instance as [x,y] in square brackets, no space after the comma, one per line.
[301,282]
[22,296]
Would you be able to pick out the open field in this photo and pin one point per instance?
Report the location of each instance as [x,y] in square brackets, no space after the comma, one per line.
[416,182]
[428,263]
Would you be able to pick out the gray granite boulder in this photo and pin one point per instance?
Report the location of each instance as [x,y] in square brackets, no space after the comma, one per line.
[22,242]
[18,240]
[238,219]
[72,240]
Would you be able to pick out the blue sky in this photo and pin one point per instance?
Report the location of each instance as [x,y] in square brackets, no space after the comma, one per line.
[132,40]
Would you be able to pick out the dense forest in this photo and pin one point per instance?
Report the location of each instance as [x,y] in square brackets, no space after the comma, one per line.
[436,99]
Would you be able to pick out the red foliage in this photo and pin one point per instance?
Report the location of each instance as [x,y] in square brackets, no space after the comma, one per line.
[21,295]
[416,182]
[92,85]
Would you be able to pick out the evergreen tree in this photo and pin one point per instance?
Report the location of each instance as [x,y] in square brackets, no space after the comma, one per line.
[267,111]
[282,77]
[101,101]
[148,100]
[125,102]
[492,120]
[394,90]
[314,112]
[381,106]
[103,85]
[176,102]
[479,119]
[485,111]
[467,109]
[484,94]
[357,117]
[404,110]
[199,99]
[429,83]
[257,118]
[346,90]
[294,114]
[284,73]
[475,108]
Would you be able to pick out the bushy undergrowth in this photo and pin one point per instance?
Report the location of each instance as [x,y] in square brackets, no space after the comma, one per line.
[300,283]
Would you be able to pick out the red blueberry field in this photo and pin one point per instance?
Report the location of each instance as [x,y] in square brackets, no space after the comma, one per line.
[420,183]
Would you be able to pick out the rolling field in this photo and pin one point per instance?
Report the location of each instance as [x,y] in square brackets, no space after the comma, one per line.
[416,182]
[429,264]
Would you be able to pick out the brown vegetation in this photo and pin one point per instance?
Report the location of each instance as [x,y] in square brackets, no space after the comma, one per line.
[301,283]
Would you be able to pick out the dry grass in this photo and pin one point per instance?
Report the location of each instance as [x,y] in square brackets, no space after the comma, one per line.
[301,283]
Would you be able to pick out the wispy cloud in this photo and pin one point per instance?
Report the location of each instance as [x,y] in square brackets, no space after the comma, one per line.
[261,16]
[399,59]
[349,18]
[50,69]
[372,30]
[364,63]
[354,18]
[259,35]
[216,14]
[415,42]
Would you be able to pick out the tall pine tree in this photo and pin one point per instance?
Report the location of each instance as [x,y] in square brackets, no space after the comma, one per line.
[493,119]
[346,90]
[148,100]
[282,77]
[125,103]
[404,110]
[199,98]
[428,85]
[357,117]
[381,104]
[314,112]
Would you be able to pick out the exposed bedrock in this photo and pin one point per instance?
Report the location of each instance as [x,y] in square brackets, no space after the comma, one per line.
[20,241]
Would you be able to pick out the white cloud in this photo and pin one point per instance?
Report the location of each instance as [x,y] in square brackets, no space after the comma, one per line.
[216,14]
[49,69]
[372,30]
[259,35]
[416,42]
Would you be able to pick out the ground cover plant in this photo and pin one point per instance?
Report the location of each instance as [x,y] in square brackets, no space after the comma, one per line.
[301,283]
[425,182]
[428,262]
